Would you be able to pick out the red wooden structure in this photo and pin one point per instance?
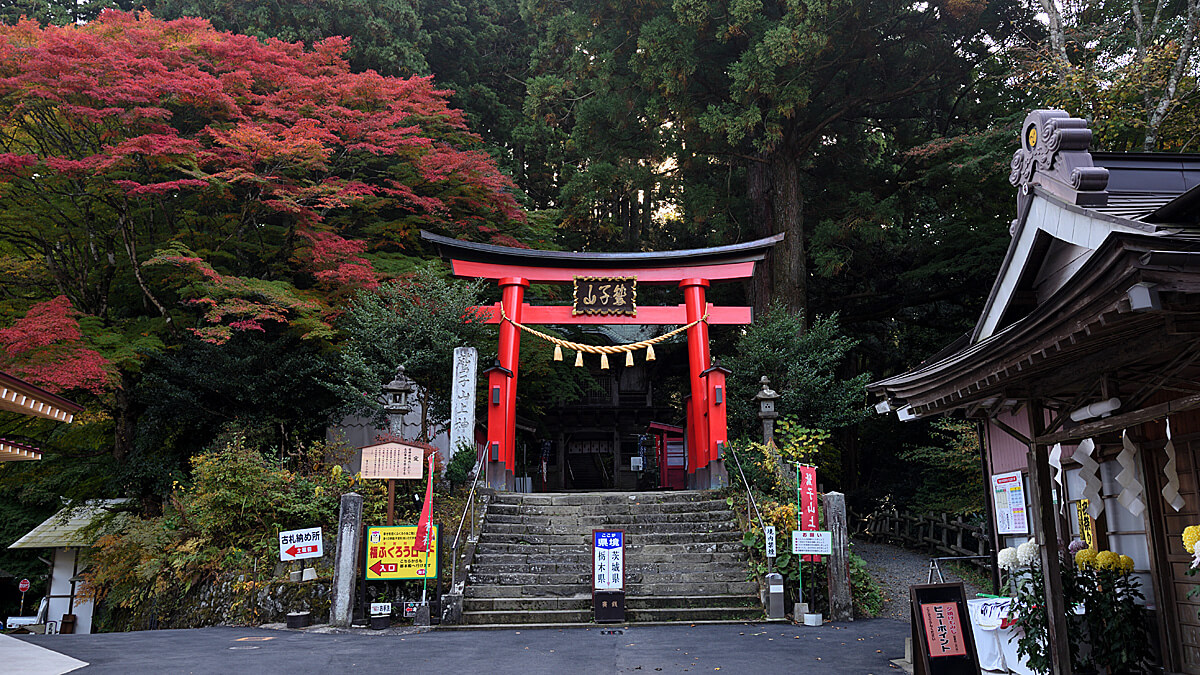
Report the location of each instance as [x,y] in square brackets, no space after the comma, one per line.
[672,458]
[514,269]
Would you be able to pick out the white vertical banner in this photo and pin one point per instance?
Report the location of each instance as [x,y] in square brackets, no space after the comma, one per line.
[769,533]
[462,399]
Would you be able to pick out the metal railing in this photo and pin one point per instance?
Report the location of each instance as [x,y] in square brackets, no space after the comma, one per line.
[468,508]
[750,501]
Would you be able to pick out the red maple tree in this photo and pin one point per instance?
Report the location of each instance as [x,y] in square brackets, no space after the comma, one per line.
[132,138]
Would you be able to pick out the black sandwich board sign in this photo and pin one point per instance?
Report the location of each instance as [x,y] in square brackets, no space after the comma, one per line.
[941,631]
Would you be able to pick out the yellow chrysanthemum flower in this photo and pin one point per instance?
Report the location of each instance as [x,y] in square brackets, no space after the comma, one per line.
[1085,558]
[1107,560]
[1191,535]
[1126,564]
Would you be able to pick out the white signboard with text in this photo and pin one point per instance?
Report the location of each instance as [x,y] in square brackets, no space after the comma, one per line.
[812,542]
[1008,495]
[393,460]
[769,533]
[301,544]
[608,569]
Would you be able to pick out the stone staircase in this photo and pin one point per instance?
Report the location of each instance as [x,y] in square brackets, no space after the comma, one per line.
[684,559]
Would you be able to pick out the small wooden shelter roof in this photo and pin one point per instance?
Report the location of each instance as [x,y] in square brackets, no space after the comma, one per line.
[67,528]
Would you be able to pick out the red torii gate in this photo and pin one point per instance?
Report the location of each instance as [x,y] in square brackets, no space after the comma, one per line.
[693,270]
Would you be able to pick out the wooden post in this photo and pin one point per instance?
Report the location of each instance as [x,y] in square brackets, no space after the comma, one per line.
[391,509]
[841,607]
[345,565]
[1045,531]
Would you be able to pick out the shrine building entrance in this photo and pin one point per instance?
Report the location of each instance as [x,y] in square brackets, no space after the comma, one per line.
[605,294]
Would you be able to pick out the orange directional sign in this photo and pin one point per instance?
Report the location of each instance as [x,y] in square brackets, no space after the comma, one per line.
[391,554]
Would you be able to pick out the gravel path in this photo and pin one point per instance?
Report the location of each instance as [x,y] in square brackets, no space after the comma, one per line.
[898,568]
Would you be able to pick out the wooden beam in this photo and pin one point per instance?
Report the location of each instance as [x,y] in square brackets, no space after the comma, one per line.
[1119,422]
[646,316]
[654,275]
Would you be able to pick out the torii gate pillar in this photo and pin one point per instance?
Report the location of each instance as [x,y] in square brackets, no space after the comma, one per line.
[502,390]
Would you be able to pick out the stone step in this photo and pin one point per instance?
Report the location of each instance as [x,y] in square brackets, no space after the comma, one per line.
[538,591]
[585,559]
[526,548]
[601,521]
[634,570]
[520,578]
[543,616]
[619,508]
[565,527]
[582,498]
[632,590]
[650,539]
[685,614]
[528,604]
[668,601]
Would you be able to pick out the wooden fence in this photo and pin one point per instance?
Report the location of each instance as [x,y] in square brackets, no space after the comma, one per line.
[937,534]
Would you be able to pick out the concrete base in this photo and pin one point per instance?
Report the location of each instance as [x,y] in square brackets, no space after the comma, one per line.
[699,480]
[422,617]
[510,481]
[452,608]
[718,476]
[495,477]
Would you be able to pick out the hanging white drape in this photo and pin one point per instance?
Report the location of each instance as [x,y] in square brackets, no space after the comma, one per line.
[1131,488]
[1089,471]
[1170,491]
[1057,476]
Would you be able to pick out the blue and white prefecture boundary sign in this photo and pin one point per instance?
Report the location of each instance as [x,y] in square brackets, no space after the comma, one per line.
[608,560]
[301,544]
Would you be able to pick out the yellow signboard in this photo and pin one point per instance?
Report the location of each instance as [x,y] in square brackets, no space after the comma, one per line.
[1087,527]
[390,554]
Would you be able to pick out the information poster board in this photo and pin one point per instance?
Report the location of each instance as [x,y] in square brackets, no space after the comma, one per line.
[1008,495]
[392,554]
[941,631]
[393,460]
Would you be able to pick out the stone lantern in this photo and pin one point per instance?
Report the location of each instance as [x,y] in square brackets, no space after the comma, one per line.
[766,408]
[397,402]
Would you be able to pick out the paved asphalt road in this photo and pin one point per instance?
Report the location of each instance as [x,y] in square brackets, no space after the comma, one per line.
[858,647]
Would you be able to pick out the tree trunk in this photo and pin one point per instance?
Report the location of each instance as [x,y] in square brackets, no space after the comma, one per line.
[125,419]
[789,266]
[758,192]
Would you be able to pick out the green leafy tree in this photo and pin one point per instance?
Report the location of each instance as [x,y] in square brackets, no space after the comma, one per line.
[804,367]
[416,323]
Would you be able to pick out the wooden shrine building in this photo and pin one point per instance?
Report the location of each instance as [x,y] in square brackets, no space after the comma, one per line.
[605,293]
[1084,369]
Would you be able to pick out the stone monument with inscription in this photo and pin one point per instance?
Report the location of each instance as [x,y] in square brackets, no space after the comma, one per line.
[462,401]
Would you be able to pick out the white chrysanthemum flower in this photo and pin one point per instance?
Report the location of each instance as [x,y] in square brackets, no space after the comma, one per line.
[1007,559]
[1027,553]
[1196,559]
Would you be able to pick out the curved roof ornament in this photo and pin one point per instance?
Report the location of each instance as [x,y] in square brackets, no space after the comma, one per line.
[1054,154]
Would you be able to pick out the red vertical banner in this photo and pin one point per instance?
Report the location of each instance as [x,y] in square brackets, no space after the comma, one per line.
[808,503]
[423,523]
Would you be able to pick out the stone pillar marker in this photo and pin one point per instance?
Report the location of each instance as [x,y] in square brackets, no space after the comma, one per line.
[349,535]
[841,607]
[462,401]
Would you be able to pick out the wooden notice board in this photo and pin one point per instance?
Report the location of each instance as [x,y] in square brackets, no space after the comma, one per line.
[941,631]
[392,460]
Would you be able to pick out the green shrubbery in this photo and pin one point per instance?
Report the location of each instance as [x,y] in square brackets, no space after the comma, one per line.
[226,522]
